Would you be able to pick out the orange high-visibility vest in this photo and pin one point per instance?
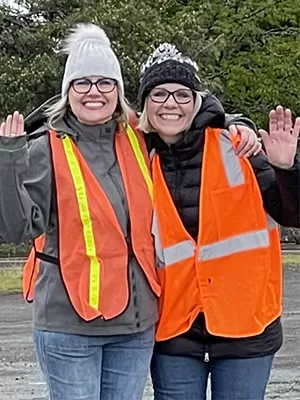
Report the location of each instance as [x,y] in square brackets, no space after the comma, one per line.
[233,273]
[32,267]
[93,253]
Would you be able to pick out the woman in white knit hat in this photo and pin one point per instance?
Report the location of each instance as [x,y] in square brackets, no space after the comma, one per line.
[82,191]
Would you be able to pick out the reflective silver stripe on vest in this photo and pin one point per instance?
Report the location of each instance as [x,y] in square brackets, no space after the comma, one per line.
[159,253]
[271,223]
[236,244]
[152,154]
[172,254]
[231,161]
[179,252]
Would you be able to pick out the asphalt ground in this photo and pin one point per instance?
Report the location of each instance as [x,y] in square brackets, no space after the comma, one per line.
[20,378]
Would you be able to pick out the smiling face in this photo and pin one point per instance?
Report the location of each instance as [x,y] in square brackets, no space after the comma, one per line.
[94,107]
[169,118]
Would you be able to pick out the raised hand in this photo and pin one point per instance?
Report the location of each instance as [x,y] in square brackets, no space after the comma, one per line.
[13,126]
[281,141]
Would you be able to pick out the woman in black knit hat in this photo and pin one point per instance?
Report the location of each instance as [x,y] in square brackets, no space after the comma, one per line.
[216,238]
[167,65]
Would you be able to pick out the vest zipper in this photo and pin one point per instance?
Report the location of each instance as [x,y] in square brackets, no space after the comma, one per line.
[205,337]
[134,290]
[206,357]
[178,167]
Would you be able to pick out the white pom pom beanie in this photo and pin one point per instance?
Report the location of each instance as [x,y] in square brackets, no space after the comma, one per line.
[89,53]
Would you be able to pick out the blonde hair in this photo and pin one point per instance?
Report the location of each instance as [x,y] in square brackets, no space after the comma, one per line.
[144,123]
[58,110]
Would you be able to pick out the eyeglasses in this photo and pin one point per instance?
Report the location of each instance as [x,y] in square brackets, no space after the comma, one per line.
[103,85]
[181,96]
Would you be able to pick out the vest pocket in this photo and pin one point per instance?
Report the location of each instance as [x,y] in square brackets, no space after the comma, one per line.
[234,211]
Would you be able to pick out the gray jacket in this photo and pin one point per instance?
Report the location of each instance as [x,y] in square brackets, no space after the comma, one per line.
[28,209]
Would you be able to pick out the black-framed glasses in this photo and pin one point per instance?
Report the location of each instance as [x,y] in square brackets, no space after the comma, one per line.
[181,96]
[84,85]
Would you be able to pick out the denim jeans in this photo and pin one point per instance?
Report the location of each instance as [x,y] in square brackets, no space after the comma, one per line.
[177,378]
[78,367]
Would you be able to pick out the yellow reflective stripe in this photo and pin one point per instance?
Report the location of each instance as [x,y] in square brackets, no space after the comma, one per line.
[88,234]
[140,159]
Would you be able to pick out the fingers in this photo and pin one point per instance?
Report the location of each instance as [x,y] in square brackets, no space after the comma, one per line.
[248,148]
[233,130]
[296,130]
[248,141]
[280,119]
[264,137]
[272,122]
[20,125]
[2,129]
[280,114]
[7,129]
[13,125]
[254,150]
[241,145]
[288,122]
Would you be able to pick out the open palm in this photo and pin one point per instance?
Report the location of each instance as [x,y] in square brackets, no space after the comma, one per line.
[13,126]
[281,141]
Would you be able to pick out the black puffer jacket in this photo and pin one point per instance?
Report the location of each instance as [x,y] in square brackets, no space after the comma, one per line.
[181,165]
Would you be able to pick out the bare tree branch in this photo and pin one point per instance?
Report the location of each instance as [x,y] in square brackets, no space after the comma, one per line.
[209,45]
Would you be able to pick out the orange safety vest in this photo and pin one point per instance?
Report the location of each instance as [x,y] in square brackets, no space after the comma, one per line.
[233,273]
[93,253]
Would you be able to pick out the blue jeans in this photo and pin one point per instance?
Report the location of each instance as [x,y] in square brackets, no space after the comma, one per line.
[78,367]
[177,378]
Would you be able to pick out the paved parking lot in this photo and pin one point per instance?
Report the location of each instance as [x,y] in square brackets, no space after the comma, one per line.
[21,380]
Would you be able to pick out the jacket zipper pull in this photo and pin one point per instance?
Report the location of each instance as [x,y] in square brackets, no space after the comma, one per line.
[206,357]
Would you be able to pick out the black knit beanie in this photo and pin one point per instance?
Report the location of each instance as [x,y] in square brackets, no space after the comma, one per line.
[167,65]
